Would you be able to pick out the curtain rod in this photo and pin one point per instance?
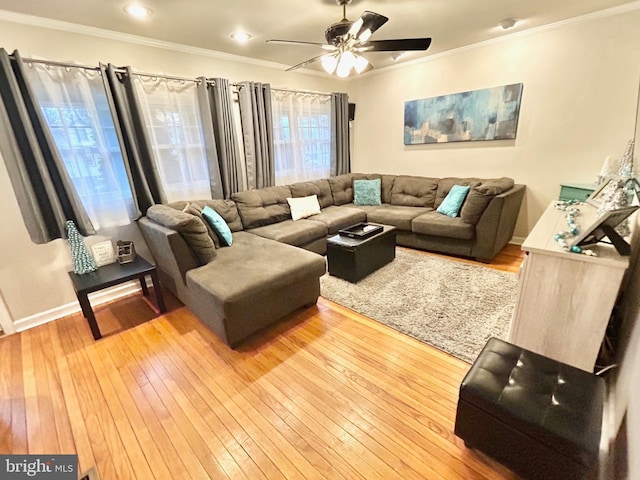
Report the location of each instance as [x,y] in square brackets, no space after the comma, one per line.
[300,91]
[159,75]
[59,64]
[117,70]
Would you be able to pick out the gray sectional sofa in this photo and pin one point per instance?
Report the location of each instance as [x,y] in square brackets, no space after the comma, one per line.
[262,276]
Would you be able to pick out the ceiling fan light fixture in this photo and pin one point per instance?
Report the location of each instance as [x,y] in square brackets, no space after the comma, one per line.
[360,64]
[356,26]
[364,36]
[345,64]
[329,63]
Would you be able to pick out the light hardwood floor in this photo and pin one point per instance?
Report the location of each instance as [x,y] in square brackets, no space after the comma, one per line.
[326,393]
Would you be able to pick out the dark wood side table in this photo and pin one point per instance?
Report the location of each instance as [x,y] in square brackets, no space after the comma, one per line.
[110,275]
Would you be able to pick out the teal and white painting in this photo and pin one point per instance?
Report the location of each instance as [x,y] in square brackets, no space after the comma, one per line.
[487,114]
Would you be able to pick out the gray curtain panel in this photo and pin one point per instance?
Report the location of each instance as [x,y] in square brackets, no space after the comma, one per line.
[211,147]
[132,134]
[340,156]
[257,133]
[44,191]
[220,104]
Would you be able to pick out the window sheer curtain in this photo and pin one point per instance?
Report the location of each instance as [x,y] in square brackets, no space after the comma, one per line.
[302,136]
[74,105]
[44,191]
[81,143]
[174,127]
[134,141]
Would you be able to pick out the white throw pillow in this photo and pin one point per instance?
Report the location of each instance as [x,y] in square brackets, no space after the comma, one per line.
[303,207]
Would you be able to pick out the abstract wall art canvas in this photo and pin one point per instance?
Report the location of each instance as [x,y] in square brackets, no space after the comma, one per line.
[487,114]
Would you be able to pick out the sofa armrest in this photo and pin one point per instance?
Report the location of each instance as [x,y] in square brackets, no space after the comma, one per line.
[497,223]
[171,253]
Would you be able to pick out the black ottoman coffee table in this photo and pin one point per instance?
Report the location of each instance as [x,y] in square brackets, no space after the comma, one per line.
[353,259]
[539,417]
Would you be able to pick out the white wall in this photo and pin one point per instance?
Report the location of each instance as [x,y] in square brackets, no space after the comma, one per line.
[578,106]
[33,278]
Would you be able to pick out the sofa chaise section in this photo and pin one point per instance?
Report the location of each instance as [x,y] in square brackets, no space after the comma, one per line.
[252,283]
[243,287]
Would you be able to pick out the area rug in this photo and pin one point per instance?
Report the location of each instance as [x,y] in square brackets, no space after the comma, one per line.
[453,306]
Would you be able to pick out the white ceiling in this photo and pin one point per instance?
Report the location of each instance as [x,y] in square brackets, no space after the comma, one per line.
[208,23]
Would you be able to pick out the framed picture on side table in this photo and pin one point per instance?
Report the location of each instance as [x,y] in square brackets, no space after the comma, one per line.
[103,253]
[595,198]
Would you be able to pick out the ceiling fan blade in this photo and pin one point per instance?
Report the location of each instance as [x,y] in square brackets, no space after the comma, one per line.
[305,63]
[403,45]
[300,42]
[366,25]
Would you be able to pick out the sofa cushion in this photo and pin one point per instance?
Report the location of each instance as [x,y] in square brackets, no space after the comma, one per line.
[190,227]
[194,209]
[263,206]
[387,185]
[395,215]
[366,192]
[480,196]
[226,209]
[452,203]
[218,225]
[336,218]
[298,233]
[445,185]
[303,207]
[342,188]
[409,191]
[319,188]
[439,225]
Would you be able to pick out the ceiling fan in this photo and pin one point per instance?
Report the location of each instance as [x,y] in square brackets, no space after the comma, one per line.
[347,40]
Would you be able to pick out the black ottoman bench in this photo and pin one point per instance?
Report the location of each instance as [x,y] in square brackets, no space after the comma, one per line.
[539,417]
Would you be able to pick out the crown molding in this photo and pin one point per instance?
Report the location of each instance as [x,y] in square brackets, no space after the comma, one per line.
[69,27]
[609,12]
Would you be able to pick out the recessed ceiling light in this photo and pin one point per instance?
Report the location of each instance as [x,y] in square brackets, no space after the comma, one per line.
[508,23]
[241,37]
[138,11]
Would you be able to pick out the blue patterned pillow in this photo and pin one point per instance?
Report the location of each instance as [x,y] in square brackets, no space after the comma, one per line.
[452,203]
[366,192]
[218,225]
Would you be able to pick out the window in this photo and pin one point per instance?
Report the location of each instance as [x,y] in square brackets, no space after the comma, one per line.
[302,136]
[172,118]
[75,108]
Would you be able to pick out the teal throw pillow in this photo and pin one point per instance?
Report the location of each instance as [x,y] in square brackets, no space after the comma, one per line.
[452,203]
[366,192]
[218,225]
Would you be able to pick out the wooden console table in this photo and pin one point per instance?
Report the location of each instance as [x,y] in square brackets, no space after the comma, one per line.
[565,299]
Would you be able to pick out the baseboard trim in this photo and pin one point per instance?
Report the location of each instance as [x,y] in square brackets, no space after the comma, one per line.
[518,240]
[97,298]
